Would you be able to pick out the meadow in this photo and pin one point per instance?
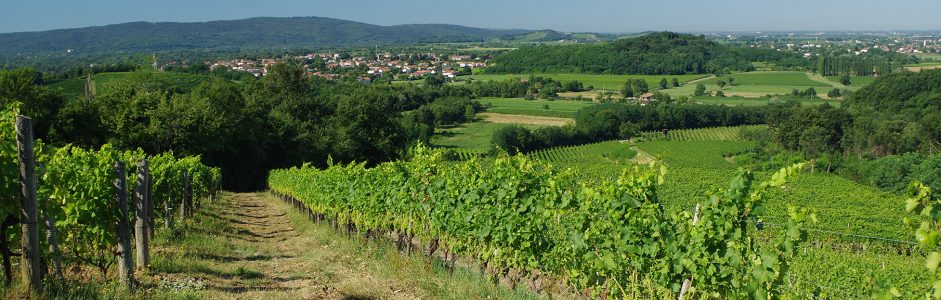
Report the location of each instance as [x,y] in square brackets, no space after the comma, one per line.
[546,108]
[599,82]
[750,101]
[764,83]
[473,136]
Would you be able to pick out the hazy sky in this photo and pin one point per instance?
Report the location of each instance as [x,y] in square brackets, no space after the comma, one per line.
[563,15]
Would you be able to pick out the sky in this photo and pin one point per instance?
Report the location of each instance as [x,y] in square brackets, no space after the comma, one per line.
[569,16]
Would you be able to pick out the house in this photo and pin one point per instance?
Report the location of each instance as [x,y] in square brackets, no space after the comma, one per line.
[646,98]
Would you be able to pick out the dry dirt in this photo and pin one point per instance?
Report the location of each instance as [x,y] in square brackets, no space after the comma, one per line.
[524,119]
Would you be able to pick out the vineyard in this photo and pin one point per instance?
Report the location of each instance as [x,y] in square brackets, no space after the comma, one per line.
[87,201]
[610,152]
[524,221]
[701,134]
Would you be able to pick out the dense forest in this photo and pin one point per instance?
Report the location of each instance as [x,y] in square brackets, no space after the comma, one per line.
[886,134]
[659,53]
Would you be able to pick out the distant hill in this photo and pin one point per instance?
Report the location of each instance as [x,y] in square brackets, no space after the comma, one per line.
[906,93]
[253,33]
[540,36]
[657,53]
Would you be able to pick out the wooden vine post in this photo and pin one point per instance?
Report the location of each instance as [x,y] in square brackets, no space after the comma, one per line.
[125,261]
[142,197]
[29,211]
[185,203]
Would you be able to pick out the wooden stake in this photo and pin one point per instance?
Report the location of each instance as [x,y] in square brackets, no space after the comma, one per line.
[29,212]
[141,197]
[125,261]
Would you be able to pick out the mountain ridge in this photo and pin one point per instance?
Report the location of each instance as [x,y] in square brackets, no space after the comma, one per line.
[250,33]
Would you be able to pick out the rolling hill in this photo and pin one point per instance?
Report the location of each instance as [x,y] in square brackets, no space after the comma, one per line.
[252,33]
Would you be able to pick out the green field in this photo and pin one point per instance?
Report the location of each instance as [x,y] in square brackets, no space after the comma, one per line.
[925,64]
[761,84]
[474,136]
[545,108]
[929,56]
[75,87]
[606,82]
[855,81]
[746,101]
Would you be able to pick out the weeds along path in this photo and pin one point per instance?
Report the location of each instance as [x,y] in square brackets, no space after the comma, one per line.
[254,246]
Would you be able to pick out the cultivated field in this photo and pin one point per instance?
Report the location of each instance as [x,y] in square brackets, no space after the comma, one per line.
[525,119]
[546,108]
[610,152]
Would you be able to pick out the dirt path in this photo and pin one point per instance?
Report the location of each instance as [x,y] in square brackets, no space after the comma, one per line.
[254,246]
[824,80]
[276,267]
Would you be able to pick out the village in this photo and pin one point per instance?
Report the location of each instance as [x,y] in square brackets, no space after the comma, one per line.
[386,65]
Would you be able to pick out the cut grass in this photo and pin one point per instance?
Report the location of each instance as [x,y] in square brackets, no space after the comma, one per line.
[546,108]
[747,101]
[855,81]
[606,82]
[473,136]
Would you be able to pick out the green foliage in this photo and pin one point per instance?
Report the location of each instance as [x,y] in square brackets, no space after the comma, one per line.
[928,208]
[252,33]
[658,53]
[700,90]
[514,213]
[76,187]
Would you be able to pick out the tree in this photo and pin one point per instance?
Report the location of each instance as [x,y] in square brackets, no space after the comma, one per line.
[664,84]
[813,140]
[434,80]
[731,80]
[700,90]
[835,93]
[469,112]
[721,84]
[574,86]
[676,82]
[627,91]
[845,80]
[720,94]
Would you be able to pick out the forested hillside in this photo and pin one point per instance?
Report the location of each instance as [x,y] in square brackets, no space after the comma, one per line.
[253,33]
[656,53]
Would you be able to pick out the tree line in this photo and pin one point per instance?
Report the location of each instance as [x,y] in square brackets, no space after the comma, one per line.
[623,121]
[659,53]
[884,134]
